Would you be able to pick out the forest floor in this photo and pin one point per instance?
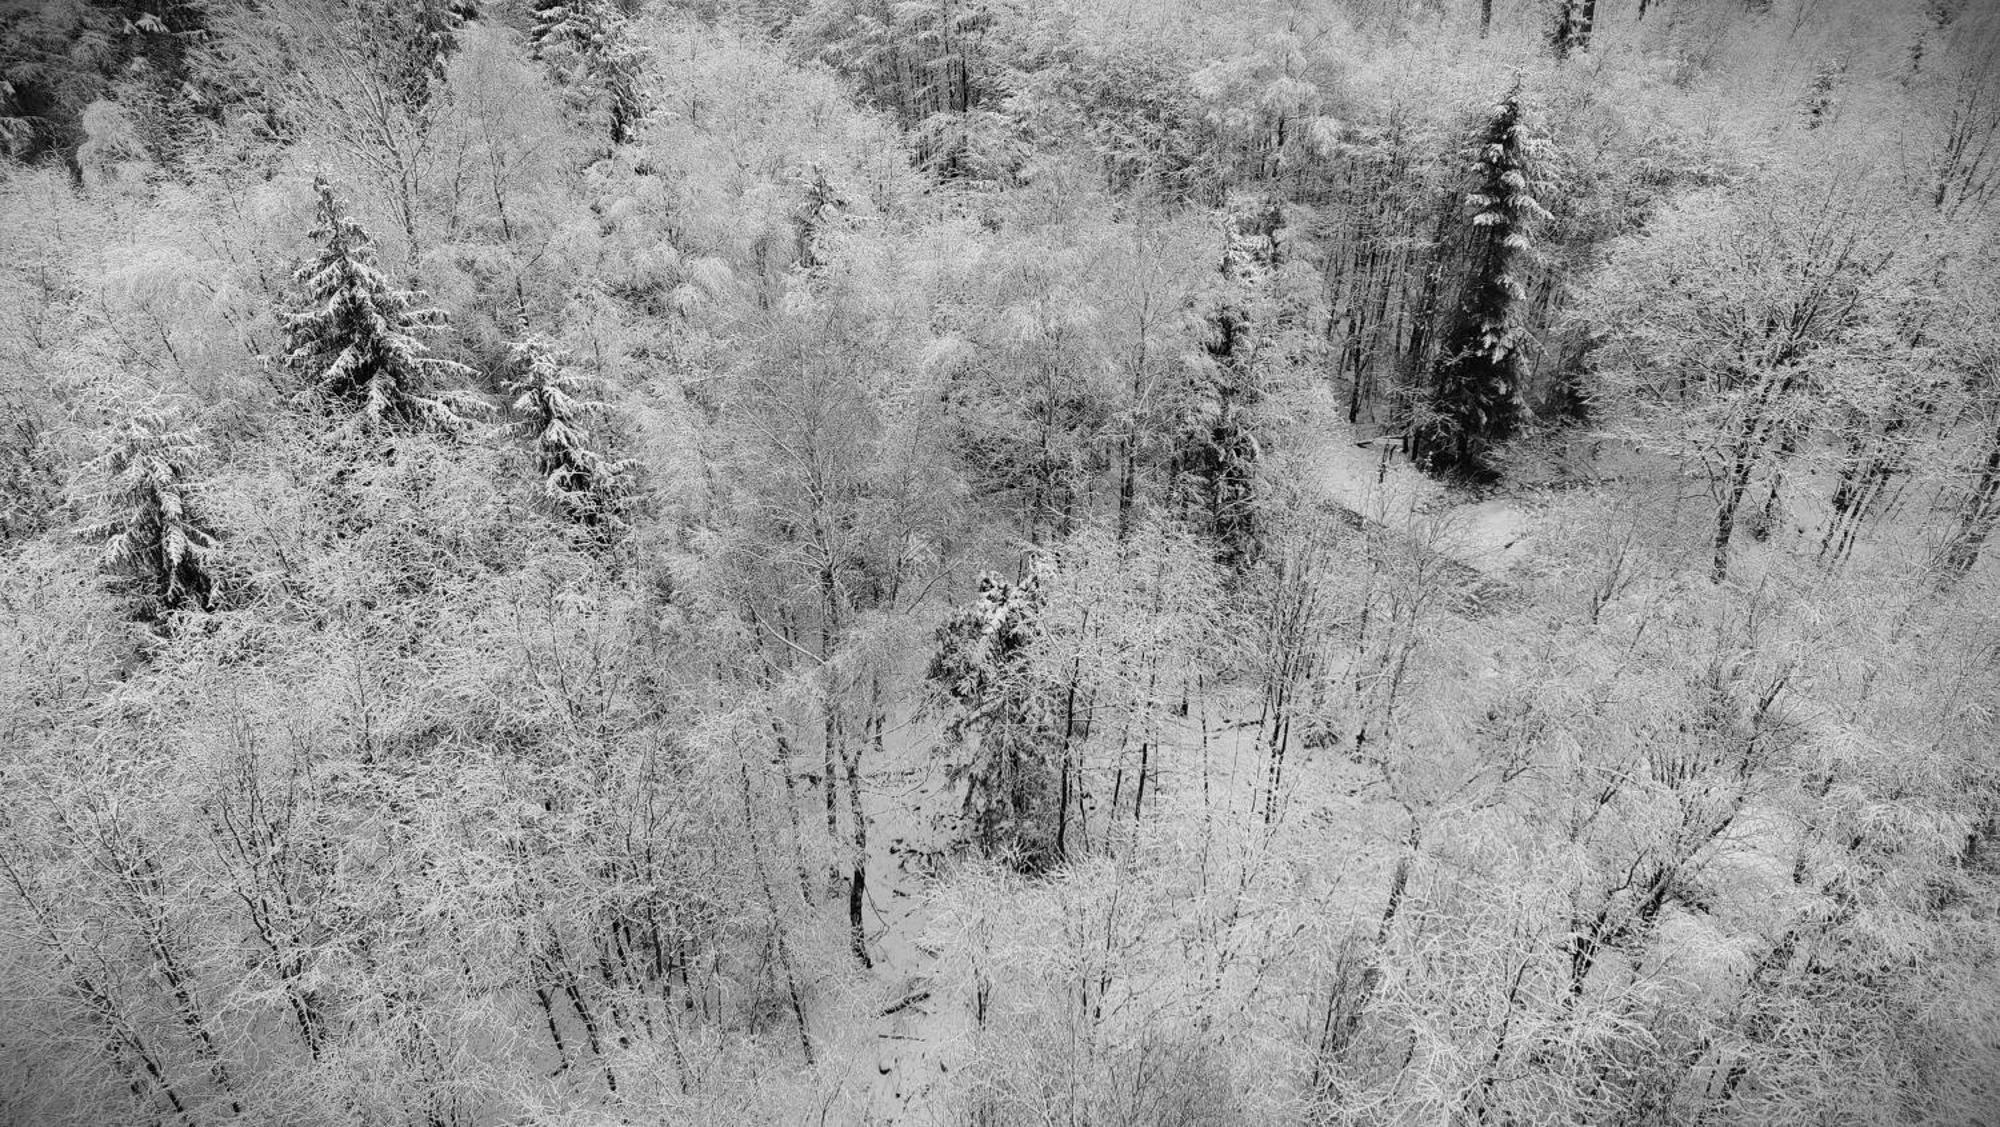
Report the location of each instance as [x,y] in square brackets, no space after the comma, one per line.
[920,1029]
[1490,535]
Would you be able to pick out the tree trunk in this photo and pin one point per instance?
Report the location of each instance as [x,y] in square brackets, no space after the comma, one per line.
[1978,514]
[1742,463]
[1340,1033]
[1574,19]
[857,885]
[777,923]
[1128,485]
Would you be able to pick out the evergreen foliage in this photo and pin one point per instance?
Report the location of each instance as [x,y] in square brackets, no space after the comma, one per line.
[1222,460]
[351,336]
[166,115]
[1015,686]
[1473,402]
[430,35]
[556,405]
[57,57]
[411,41]
[157,539]
[1003,718]
[1573,24]
[589,47]
[818,205]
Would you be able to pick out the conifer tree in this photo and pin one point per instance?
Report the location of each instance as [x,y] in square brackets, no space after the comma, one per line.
[555,402]
[810,218]
[420,38]
[1222,462]
[1007,714]
[350,336]
[1573,23]
[156,538]
[588,47]
[1472,403]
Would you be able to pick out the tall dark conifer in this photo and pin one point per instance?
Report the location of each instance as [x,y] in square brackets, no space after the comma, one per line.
[1573,24]
[1219,459]
[1472,401]
[351,336]
[157,539]
[1002,715]
[587,46]
[417,41]
[556,405]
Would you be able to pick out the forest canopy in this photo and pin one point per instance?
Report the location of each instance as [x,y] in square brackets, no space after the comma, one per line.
[989,562]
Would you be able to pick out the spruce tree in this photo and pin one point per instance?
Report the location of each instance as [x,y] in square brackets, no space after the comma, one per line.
[1472,403]
[586,45]
[156,538]
[413,40]
[555,402]
[1220,458]
[810,217]
[1005,715]
[1573,24]
[351,336]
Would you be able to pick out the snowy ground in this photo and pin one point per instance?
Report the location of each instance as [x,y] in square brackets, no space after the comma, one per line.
[920,1030]
[1490,535]
[922,1026]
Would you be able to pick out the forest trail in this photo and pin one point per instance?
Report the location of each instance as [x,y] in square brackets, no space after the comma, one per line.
[916,1027]
[1362,487]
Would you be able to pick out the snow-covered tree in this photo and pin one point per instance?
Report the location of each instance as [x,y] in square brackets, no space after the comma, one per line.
[556,403]
[351,336]
[1220,461]
[1972,355]
[588,46]
[157,539]
[1571,30]
[426,33]
[1730,327]
[1004,714]
[1472,402]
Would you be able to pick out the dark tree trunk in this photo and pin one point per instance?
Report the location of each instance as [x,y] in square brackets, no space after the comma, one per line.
[1978,514]
[1574,20]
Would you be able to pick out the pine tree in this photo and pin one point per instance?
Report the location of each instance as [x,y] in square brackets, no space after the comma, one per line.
[164,111]
[588,47]
[555,402]
[1473,398]
[811,216]
[1008,716]
[1573,23]
[416,41]
[156,538]
[351,336]
[1222,457]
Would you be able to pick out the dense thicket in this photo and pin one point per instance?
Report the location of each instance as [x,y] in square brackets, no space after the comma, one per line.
[999,562]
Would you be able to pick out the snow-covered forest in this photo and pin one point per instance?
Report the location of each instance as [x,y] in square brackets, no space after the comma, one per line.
[999,562]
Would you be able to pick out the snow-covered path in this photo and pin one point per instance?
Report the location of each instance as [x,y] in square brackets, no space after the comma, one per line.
[918,1027]
[1490,535]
